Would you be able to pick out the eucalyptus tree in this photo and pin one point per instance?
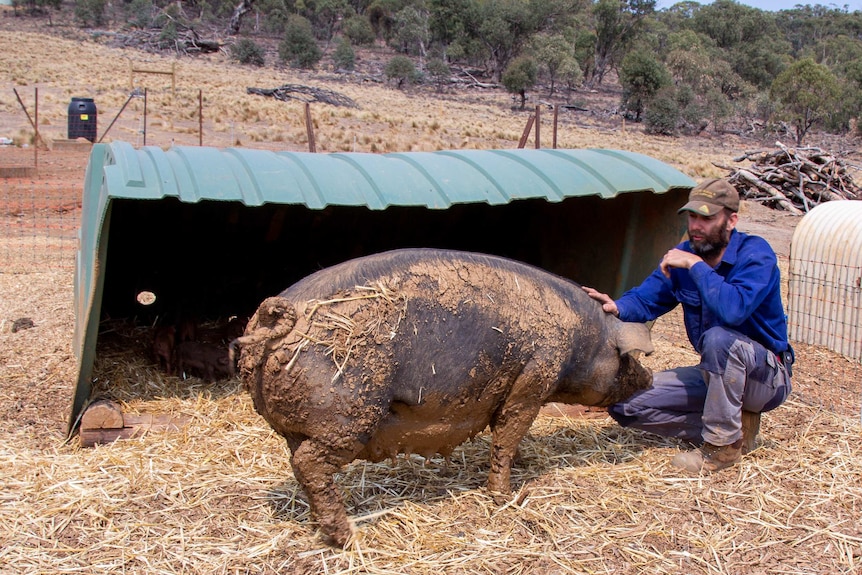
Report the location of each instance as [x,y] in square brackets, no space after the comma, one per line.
[642,75]
[750,39]
[555,56]
[411,32]
[805,93]
[520,76]
[617,23]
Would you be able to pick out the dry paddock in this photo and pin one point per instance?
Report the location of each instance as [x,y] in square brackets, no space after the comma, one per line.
[219,496]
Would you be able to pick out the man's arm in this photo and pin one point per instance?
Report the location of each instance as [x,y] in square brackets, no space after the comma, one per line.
[677,258]
[646,302]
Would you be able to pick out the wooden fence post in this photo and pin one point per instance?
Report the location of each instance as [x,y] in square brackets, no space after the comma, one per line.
[309,128]
[526,134]
[538,123]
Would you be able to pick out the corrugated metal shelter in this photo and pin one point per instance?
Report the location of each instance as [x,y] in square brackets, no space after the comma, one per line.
[212,231]
[825,290]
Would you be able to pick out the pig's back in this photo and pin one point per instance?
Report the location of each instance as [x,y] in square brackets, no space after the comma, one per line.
[396,264]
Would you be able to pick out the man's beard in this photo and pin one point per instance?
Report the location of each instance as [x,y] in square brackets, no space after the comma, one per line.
[712,245]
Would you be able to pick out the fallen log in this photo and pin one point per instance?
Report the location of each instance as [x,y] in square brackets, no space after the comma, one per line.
[307,94]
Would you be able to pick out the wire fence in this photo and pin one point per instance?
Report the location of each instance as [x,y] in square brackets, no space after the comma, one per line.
[39,216]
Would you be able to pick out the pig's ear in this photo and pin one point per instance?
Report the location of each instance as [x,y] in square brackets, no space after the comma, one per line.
[633,337]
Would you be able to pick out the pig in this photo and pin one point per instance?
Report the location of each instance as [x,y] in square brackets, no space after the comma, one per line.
[163,347]
[186,329]
[205,360]
[419,350]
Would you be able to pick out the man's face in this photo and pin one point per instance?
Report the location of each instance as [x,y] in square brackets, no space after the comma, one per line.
[709,235]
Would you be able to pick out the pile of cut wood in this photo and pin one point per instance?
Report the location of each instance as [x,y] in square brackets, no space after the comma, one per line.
[793,179]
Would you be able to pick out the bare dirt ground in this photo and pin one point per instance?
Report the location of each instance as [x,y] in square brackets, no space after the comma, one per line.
[220,497]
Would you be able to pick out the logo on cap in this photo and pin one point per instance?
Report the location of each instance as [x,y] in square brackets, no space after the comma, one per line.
[705,209]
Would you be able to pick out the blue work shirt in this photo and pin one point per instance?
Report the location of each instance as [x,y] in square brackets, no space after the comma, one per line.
[742,293]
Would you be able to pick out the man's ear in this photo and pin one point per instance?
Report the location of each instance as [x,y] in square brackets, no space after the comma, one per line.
[731,221]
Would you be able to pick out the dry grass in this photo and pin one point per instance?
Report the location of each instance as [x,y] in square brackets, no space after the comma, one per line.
[219,497]
[389,119]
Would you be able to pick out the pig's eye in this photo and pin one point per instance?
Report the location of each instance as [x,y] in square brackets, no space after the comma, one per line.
[146,298]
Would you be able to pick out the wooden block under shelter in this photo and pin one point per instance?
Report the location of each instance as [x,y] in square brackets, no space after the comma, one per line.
[104,422]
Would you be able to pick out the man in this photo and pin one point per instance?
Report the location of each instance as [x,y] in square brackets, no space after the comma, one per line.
[729,287]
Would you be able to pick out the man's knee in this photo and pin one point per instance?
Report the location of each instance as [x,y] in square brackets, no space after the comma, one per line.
[715,346]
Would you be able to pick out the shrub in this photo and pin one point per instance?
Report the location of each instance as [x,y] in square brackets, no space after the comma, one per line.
[247,52]
[439,72]
[520,76]
[90,12]
[358,30]
[168,36]
[344,57]
[299,48]
[401,69]
[663,115]
[641,75]
[139,13]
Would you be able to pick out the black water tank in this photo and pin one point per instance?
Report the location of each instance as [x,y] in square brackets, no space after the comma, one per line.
[82,119]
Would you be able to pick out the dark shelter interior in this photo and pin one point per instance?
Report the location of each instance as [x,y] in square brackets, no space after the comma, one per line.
[216,259]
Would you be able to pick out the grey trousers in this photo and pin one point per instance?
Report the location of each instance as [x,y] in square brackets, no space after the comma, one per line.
[705,402]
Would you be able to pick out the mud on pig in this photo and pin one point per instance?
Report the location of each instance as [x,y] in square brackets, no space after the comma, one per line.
[417,351]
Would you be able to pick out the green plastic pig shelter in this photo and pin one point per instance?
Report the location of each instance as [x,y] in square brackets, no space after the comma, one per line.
[212,232]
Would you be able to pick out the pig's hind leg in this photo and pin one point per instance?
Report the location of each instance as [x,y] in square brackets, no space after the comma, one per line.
[314,466]
[508,426]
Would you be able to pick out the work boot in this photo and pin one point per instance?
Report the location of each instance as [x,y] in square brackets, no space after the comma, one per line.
[750,430]
[709,458]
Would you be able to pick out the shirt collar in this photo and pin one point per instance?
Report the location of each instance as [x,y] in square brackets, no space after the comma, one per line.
[732,252]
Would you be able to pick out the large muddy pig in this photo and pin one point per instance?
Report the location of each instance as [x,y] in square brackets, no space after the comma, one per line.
[418,350]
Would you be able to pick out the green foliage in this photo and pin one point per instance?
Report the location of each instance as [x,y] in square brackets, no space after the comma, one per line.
[344,57]
[555,56]
[617,25]
[274,15]
[402,70]
[504,27]
[724,57]
[37,7]
[169,35]
[139,13]
[247,52]
[439,72]
[520,76]
[448,20]
[90,12]
[805,93]
[663,116]
[641,76]
[358,30]
[411,32]
[323,15]
[760,61]
[299,48]
[381,15]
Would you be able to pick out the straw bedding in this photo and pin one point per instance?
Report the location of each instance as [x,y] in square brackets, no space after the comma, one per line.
[219,496]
